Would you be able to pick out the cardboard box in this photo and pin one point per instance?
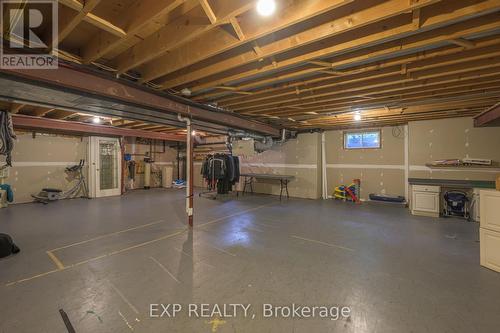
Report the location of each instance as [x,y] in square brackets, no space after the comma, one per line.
[498,183]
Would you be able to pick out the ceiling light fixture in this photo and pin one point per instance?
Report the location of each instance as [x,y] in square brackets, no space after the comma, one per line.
[357,116]
[266,7]
[186,92]
[96,120]
[193,132]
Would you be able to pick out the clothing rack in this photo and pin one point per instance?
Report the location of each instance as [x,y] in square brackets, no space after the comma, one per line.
[220,174]
[212,181]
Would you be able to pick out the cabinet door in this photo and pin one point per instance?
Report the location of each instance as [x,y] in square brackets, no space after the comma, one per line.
[490,249]
[426,202]
[490,210]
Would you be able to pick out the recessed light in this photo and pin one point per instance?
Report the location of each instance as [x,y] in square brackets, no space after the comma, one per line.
[266,7]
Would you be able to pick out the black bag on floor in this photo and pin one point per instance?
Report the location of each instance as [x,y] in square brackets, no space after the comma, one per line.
[7,246]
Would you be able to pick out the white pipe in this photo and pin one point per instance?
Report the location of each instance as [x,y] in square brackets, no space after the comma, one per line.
[189,180]
[324,181]
[407,162]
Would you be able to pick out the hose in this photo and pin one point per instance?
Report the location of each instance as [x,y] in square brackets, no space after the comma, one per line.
[7,136]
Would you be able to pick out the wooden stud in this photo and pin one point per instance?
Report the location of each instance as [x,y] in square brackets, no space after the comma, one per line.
[208,11]
[463,42]
[15,107]
[237,28]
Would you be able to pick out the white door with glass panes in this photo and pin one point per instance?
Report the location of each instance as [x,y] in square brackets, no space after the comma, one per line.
[104,167]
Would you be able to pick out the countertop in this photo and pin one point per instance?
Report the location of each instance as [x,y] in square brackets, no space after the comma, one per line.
[452,183]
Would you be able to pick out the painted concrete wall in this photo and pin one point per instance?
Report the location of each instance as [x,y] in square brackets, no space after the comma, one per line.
[451,139]
[39,162]
[298,157]
[380,170]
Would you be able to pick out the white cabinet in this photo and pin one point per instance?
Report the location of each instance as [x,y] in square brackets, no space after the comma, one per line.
[489,232]
[425,200]
[490,210]
[490,249]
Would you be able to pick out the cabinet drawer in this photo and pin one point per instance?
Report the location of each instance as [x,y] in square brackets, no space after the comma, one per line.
[426,188]
[490,249]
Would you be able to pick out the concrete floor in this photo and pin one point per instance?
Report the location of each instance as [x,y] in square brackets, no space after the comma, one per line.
[113,257]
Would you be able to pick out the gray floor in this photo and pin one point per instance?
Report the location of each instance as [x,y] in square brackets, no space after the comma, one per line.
[114,257]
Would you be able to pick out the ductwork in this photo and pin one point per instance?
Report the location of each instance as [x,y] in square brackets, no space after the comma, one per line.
[262,143]
[263,146]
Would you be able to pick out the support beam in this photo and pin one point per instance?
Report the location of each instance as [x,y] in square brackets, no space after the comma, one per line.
[488,118]
[69,77]
[35,123]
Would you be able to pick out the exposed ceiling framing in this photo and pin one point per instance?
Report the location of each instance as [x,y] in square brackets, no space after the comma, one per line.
[310,65]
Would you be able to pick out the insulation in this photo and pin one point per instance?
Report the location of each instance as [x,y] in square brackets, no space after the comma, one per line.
[7,136]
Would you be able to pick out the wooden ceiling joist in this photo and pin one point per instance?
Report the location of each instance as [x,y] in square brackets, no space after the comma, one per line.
[364,17]
[384,69]
[308,65]
[393,82]
[415,43]
[184,31]
[140,15]
[69,23]
[367,38]
[219,41]
[485,88]
[26,122]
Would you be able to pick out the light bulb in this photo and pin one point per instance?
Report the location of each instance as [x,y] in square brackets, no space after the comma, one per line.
[357,116]
[96,120]
[266,7]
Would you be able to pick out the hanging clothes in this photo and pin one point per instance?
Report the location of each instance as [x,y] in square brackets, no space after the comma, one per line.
[221,172]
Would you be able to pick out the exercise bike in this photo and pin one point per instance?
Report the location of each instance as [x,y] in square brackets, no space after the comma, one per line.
[47,195]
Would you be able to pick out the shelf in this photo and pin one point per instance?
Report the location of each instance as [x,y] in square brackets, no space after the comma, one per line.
[433,166]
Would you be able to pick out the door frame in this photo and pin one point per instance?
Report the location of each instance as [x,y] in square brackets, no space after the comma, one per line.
[94,168]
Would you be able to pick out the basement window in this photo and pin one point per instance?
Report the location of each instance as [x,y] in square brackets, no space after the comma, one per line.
[362,140]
